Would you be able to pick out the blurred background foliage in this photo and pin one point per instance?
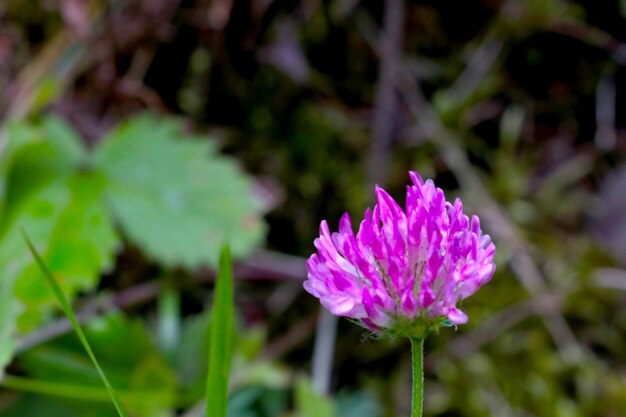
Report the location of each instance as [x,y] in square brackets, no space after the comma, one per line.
[137,135]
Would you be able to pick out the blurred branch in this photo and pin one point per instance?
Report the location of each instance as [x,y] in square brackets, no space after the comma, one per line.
[592,36]
[482,59]
[448,143]
[20,97]
[503,320]
[126,298]
[297,333]
[497,403]
[611,278]
[56,62]
[386,106]
[263,263]
[565,23]
[606,134]
[384,122]
[384,117]
[282,297]
[280,265]
[503,229]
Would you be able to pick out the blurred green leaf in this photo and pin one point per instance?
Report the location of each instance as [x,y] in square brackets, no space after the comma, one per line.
[357,404]
[310,403]
[77,241]
[256,401]
[247,369]
[143,380]
[75,236]
[45,92]
[174,197]
[34,405]
[191,355]
[35,155]
[15,135]
[250,344]
[9,308]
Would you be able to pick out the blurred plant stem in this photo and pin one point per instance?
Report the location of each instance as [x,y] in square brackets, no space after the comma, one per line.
[169,323]
[323,351]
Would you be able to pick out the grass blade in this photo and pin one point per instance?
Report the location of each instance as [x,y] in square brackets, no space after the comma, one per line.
[87,392]
[58,293]
[221,339]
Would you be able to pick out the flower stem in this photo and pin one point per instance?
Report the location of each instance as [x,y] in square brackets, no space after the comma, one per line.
[417,356]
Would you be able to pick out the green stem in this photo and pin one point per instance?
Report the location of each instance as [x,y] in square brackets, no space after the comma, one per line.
[169,318]
[417,356]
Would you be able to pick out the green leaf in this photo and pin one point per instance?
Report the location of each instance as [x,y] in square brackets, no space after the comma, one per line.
[35,155]
[76,238]
[173,196]
[15,136]
[47,89]
[358,404]
[32,156]
[256,401]
[221,339]
[143,380]
[9,309]
[67,309]
[66,220]
[310,403]
[191,356]
[34,405]
[248,368]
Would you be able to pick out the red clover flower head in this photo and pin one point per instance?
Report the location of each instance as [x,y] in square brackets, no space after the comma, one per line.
[405,271]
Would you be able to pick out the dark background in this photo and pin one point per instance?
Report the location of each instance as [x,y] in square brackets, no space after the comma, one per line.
[515,106]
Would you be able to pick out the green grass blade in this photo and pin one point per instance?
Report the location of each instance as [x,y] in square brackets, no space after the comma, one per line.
[87,392]
[221,339]
[58,292]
